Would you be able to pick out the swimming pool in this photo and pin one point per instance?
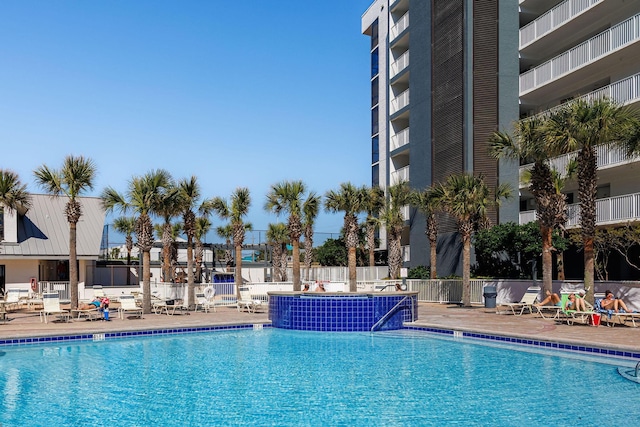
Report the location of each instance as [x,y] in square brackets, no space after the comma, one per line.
[295,378]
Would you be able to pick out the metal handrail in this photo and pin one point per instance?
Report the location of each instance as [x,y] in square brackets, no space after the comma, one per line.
[393,309]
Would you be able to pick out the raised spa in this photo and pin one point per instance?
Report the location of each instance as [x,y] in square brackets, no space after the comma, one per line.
[342,312]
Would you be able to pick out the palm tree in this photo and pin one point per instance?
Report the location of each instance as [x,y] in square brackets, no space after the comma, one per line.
[142,198]
[226,232]
[13,193]
[235,212]
[189,195]
[309,214]
[288,196]
[203,225]
[278,237]
[374,203]
[394,221]
[584,125]
[427,203]
[126,226]
[529,144]
[168,233]
[467,198]
[74,178]
[168,208]
[350,200]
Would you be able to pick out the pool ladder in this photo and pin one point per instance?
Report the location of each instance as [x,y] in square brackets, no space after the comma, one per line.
[392,311]
[631,375]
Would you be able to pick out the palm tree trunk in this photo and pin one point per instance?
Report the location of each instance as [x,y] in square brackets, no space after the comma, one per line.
[589,267]
[238,271]
[466,271]
[433,259]
[128,267]
[191,286]
[73,265]
[353,287]
[146,281]
[547,259]
[296,266]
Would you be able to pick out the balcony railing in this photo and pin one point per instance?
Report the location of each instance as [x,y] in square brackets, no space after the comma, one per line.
[608,156]
[401,175]
[399,139]
[399,102]
[609,210]
[399,64]
[553,19]
[604,43]
[400,26]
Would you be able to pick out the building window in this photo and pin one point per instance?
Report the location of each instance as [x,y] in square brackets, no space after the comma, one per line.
[374,63]
[374,121]
[1,224]
[375,179]
[375,150]
[374,92]
[374,34]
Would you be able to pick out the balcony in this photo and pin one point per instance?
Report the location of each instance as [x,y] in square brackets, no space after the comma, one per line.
[605,43]
[554,18]
[401,25]
[401,175]
[608,157]
[399,102]
[400,139]
[610,210]
[399,64]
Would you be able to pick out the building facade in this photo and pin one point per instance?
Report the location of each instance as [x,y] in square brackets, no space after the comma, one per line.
[444,76]
[584,48]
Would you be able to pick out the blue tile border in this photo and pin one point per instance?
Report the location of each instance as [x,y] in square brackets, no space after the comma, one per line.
[591,350]
[102,336]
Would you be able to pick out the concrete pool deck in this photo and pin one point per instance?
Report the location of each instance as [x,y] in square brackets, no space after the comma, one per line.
[476,319]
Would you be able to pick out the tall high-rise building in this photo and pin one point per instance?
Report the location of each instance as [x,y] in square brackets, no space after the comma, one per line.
[444,76]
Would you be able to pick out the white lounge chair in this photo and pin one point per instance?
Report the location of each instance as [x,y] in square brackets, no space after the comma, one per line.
[51,303]
[98,292]
[88,313]
[128,305]
[247,302]
[526,303]
[14,298]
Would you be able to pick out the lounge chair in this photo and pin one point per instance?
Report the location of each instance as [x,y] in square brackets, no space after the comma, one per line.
[526,303]
[14,298]
[89,313]
[98,292]
[612,317]
[573,316]
[128,305]
[246,301]
[51,303]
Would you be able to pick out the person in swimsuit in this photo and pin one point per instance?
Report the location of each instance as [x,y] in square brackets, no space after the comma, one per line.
[96,303]
[609,302]
[552,298]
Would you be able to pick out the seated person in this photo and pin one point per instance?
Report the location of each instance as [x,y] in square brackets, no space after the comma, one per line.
[305,288]
[552,298]
[96,303]
[575,303]
[609,302]
[320,288]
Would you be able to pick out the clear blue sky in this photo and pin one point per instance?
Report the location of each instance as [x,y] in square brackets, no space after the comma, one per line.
[239,93]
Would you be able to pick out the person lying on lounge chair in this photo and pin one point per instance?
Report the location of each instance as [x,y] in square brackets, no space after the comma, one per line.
[96,303]
[575,303]
[552,298]
[609,302]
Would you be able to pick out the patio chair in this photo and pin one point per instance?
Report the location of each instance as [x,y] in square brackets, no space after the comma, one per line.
[88,313]
[573,316]
[204,300]
[51,303]
[98,292]
[128,305]
[526,303]
[612,317]
[14,298]
[247,302]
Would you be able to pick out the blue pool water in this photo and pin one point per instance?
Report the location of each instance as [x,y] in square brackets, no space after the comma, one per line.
[293,378]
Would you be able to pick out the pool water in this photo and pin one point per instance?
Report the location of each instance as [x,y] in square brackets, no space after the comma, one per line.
[293,378]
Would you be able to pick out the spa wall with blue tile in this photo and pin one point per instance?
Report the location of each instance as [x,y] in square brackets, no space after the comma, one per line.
[341,313]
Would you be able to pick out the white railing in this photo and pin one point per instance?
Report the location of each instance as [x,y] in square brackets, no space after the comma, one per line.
[608,156]
[399,64]
[400,26]
[608,211]
[406,253]
[604,43]
[399,139]
[553,19]
[401,175]
[400,101]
